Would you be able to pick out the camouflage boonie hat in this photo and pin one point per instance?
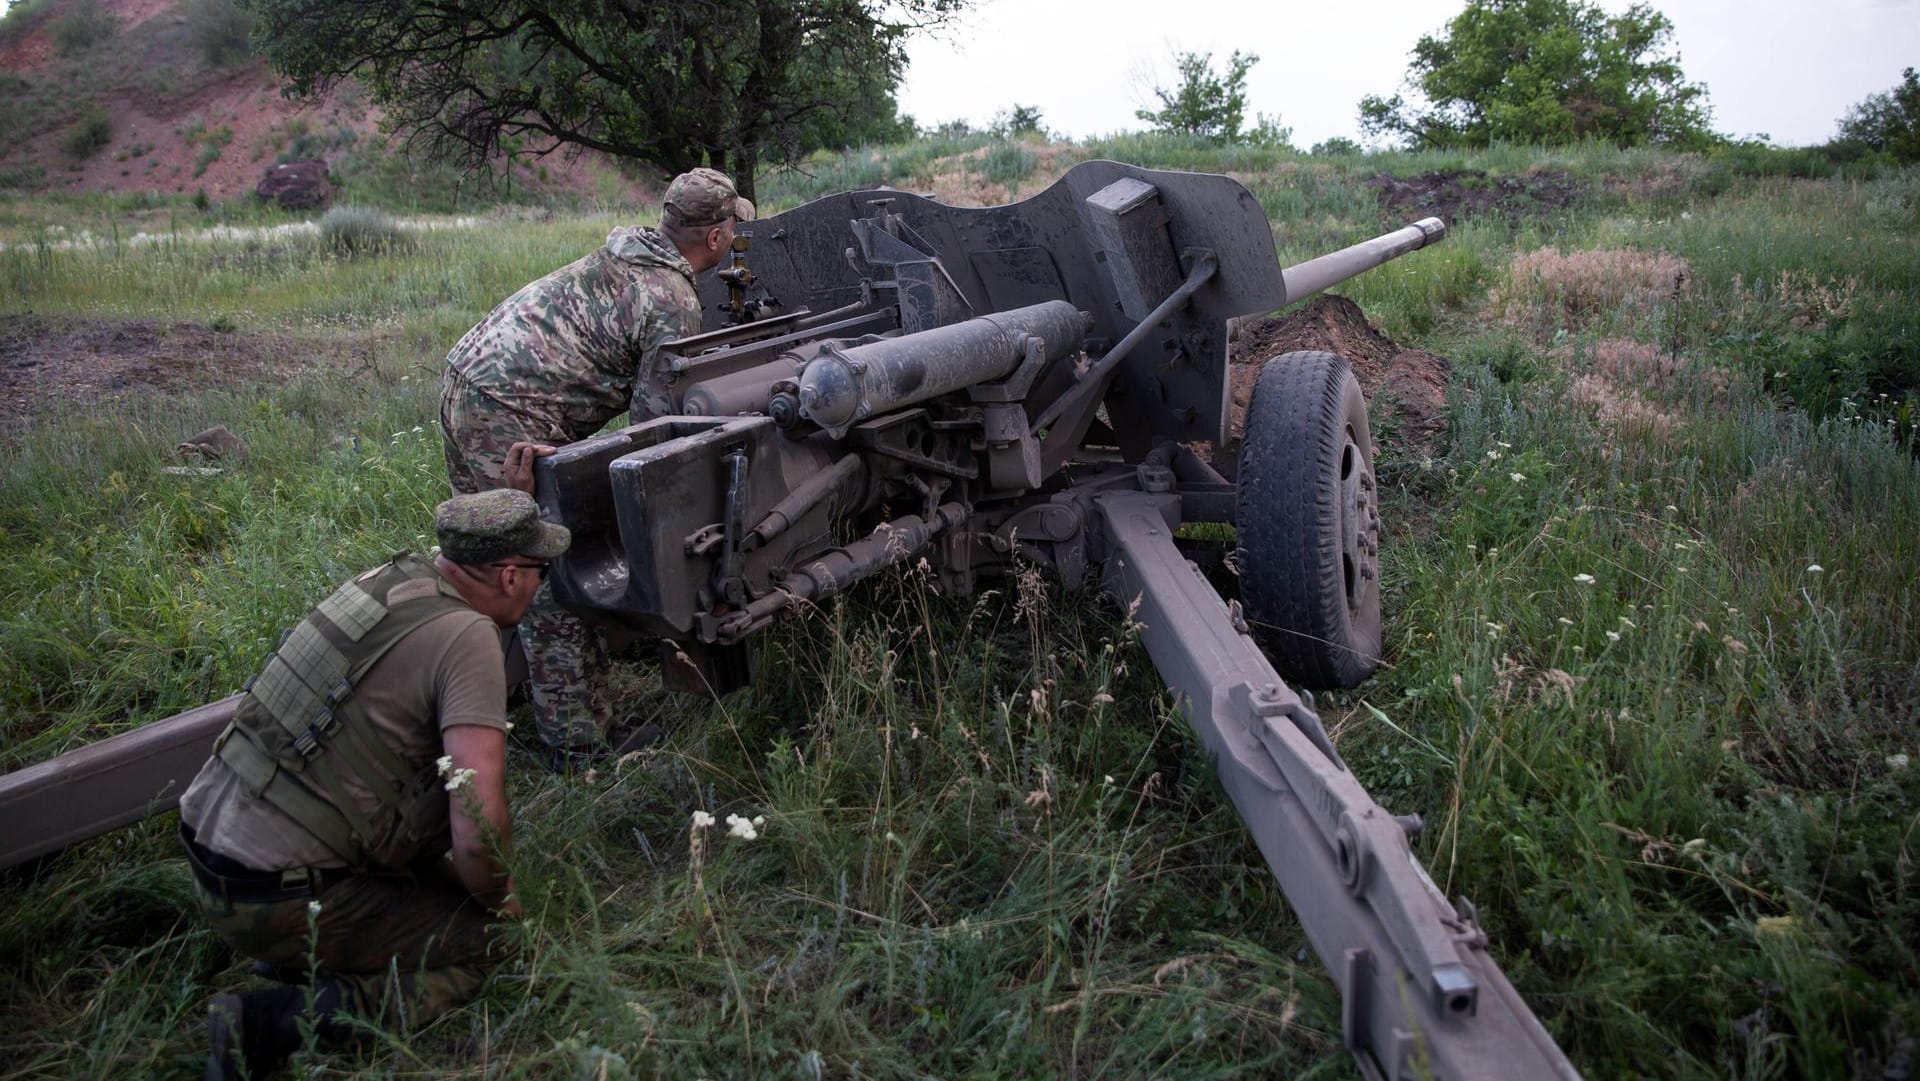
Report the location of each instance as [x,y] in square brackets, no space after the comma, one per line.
[485,526]
[703,197]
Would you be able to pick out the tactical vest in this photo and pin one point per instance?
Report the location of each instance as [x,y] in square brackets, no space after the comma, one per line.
[298,733]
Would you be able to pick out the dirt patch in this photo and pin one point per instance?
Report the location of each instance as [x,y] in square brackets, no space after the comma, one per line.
[47,365]
[1455,194]
[1406,388]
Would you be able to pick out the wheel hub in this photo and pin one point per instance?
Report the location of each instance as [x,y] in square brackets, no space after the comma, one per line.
[1360,523]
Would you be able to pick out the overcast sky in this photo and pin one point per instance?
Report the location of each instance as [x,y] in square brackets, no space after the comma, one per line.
[1786,68]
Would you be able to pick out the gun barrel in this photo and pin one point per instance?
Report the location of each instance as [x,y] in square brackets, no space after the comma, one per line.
[842,387]
[1312,276]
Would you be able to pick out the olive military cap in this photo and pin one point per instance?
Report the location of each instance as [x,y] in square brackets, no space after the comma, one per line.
[486,526]
[703,197]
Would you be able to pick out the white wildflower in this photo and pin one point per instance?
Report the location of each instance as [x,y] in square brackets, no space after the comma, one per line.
[1815,568]
[743,828]
[1517,477]
[1503,446]
[444,763]
[1613,636]
[1897,761]
[458,779]
[1493,455]
[701,820]
[1584,579]
[1564,621]
[1106,779]
[313,908]
[1628,622]
[1695,848]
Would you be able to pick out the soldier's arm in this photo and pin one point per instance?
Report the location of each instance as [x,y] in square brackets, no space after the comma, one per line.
[470,697]
[518,470]
[477,809]
[676,316]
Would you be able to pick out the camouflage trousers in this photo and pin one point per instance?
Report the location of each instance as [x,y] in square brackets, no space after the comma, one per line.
[566,657]
[404,947]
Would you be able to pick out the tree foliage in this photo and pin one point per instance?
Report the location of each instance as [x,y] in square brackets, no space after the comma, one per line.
[1886,123]
[1545,71]
[1017,120]
[1204,104]
[677,83]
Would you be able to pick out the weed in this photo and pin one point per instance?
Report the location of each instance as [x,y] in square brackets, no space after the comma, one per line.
[348,231]
[218,31]
[1008,163]
[83,25]
[91,131]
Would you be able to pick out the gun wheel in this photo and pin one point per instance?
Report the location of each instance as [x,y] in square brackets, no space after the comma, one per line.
[1307,513]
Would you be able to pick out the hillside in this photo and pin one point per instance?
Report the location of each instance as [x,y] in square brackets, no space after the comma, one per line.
[164,96]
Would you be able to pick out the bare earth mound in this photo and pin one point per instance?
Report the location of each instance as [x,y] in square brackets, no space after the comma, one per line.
[1457,194]
[1409,386]
[49,365]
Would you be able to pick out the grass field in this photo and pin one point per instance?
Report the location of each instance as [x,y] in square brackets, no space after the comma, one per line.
[1653,659]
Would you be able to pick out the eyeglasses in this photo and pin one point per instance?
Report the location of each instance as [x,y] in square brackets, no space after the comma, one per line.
[544,568]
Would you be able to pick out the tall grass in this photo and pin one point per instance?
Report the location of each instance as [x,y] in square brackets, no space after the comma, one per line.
[1652,660]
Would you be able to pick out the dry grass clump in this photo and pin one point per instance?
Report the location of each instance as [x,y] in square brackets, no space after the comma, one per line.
[1795,300]
[1627,362]
[1571,290]
[1660,179]
[1624,410]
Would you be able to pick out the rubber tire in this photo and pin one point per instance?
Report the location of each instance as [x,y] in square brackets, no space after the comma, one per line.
[1307,513]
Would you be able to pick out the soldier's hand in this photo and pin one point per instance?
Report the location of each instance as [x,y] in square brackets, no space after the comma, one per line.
[519,466]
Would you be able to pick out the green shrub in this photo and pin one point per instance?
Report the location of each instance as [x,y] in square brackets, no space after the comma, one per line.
[91,131]
[85,26]
[348,231]
[1008,163]
[218,31]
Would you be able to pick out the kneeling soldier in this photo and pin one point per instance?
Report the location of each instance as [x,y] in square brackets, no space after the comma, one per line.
[350,824]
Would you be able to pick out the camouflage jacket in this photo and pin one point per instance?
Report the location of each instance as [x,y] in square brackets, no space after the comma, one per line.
[568,350]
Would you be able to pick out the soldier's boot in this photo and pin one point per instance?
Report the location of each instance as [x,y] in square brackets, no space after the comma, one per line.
[251,1033]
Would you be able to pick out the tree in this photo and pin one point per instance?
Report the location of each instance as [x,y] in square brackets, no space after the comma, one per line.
[1017,120]
[1204,104]
[1545,71]
[677,83]
[1886,123]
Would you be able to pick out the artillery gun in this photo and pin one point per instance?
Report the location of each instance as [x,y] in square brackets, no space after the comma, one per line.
[883,379]
[977,387]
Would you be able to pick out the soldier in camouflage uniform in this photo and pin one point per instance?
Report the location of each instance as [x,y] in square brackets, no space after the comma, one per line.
[349,827]
[553,364]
